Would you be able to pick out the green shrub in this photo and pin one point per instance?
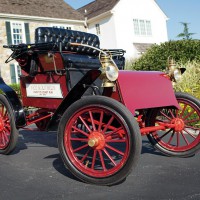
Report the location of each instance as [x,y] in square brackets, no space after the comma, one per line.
[155,59]
[190,81]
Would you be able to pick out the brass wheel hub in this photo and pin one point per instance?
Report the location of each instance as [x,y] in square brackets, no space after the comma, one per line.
[96,140]
[179,124]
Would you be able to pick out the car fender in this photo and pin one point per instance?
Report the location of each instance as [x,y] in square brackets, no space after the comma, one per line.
[145,89]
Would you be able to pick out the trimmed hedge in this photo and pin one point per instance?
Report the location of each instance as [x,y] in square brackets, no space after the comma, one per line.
[155,59]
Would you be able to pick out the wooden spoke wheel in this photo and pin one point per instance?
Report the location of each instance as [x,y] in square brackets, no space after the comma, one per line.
[183,139]
[8,131]
[99,140]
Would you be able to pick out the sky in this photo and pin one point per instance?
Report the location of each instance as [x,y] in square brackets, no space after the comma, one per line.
[176,10]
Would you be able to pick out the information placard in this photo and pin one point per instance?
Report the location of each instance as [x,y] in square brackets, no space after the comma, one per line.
[50,90]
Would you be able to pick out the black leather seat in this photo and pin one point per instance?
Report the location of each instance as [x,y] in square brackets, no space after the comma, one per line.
[64,36]
[84,57]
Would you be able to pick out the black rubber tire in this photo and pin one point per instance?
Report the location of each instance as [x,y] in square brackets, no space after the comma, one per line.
[13,137]
[132,130]
[195,103]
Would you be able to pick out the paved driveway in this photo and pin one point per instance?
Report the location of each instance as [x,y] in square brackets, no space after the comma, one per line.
[35,171]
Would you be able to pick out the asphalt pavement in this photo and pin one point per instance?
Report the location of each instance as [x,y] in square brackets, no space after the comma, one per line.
[35,171]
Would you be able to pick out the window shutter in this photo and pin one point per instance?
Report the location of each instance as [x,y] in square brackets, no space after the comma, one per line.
[27,33]
[12,73]
[8,32]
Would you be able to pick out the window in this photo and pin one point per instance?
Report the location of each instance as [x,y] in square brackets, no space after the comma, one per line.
[63,26]
[98,31]
[15,72]
[18,32]
[148,28]
[142,27]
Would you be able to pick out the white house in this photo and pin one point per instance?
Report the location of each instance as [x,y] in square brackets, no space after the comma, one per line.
[132,25]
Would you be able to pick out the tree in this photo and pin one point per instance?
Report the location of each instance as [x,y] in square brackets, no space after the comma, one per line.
[185,34]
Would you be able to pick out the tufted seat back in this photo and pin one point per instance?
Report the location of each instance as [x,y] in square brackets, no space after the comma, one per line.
[50,34]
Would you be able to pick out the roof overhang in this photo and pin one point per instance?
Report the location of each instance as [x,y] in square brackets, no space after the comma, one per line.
[101,16]
[36,18]
[142,47]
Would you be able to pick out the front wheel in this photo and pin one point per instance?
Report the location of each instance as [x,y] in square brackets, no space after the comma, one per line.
[183,139]
[99,140]
[8,131]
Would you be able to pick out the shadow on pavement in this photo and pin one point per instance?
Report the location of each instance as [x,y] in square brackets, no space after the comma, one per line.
[37,138]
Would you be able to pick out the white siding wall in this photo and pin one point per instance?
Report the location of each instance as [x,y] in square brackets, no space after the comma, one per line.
[108,33]
[118,30]
[126,11]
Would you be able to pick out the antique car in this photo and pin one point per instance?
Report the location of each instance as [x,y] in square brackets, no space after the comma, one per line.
[99,110]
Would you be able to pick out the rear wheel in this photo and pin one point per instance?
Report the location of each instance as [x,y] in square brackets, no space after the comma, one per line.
[8,131]
[184,139]
[99,140]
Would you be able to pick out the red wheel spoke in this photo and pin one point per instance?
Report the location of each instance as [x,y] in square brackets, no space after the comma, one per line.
[85,156]
[94,158]
[5,136]
[7,127]
[103,125]
[181,114]
[101,120]
[114,149]
[192,127]
[165,134]
[117,141]
[186,141]
[4,139]
[80,148]
[102,160]
[79,139]
[1,139]
[165,115]
[110,121]
[187,116]
[88,128]
[113,132]
[92,120]
[190,134]
[6,120]
[80,131]
[193,120]
[109,156]
[170,139]
[171,113]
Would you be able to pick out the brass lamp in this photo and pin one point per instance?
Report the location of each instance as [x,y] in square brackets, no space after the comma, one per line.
[109,69]
[174,72]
